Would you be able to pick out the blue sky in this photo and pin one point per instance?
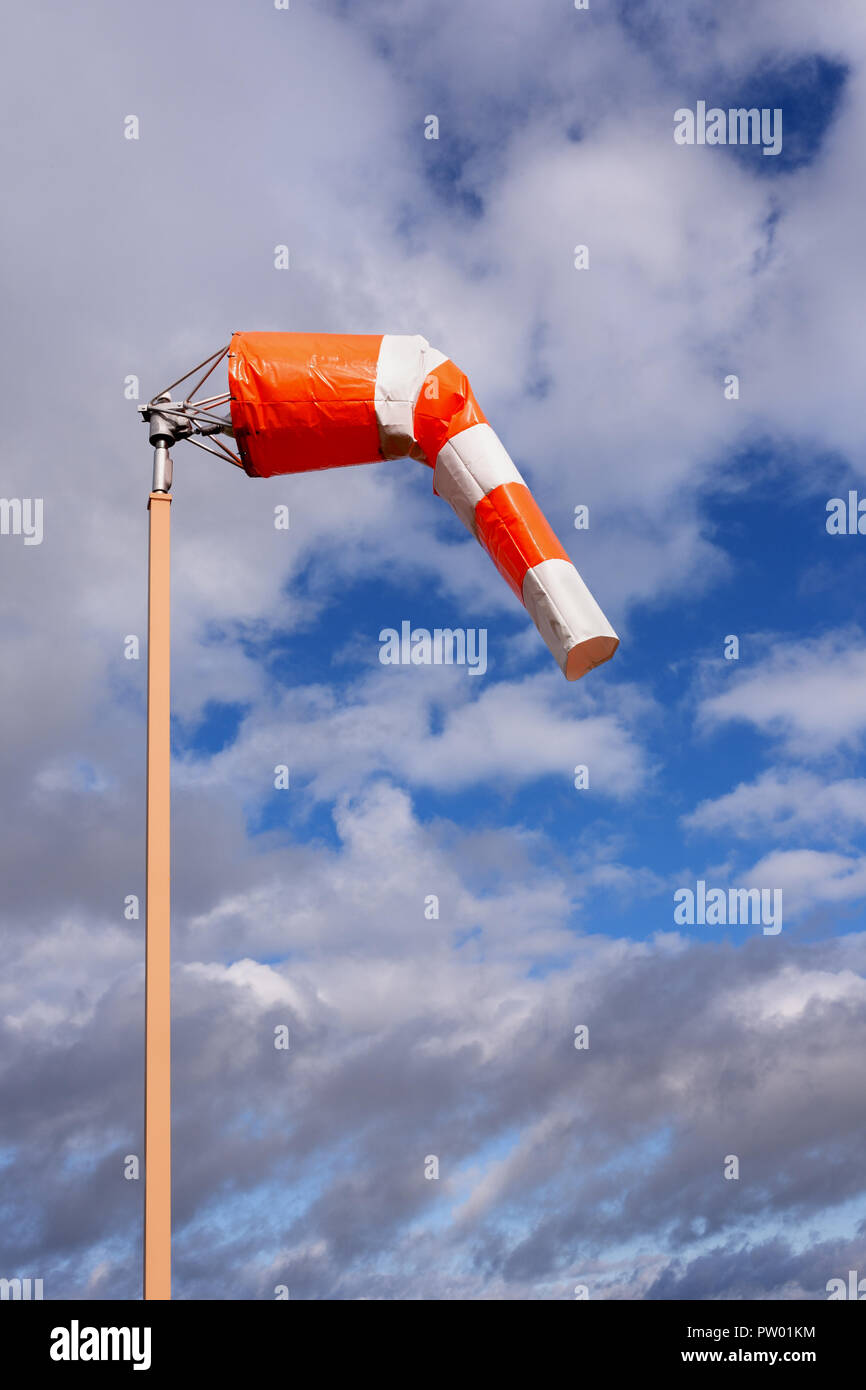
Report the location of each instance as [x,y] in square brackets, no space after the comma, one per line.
[451,1036]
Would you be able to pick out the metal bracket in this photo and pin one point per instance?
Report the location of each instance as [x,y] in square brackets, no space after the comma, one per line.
[170,421]
[166,427]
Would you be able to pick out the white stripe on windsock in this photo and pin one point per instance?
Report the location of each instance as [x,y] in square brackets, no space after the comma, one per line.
[403,364]
[568,617]
[470,465]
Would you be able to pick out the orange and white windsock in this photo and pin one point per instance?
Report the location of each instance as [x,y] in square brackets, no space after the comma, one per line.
[304,401]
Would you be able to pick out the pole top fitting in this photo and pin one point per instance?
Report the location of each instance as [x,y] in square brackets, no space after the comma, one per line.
[168,421]
[166,426]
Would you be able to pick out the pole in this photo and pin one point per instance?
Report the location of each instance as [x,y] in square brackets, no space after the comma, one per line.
[157,1046]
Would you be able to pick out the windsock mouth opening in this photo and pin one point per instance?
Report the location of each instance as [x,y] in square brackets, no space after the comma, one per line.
[593,652]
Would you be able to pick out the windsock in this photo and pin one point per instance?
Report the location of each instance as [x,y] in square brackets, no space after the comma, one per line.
[305,401]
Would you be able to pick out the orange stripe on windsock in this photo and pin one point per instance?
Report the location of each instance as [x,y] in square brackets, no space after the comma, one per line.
[446,405]
[303,401]
[515,533]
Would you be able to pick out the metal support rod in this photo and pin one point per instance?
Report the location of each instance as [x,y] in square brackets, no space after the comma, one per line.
[200,383]
[157,1084]
[222,399]
[215,357]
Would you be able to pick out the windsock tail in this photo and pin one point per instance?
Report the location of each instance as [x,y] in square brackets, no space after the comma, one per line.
[474,473]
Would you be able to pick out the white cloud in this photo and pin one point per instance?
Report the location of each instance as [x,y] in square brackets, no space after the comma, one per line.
[809,877]
[506,735]
[785,804]
[806,694]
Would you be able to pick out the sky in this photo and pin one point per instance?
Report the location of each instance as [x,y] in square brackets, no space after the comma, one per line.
[707,1142]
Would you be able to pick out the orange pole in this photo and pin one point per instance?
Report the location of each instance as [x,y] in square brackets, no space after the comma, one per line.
[157,1046]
